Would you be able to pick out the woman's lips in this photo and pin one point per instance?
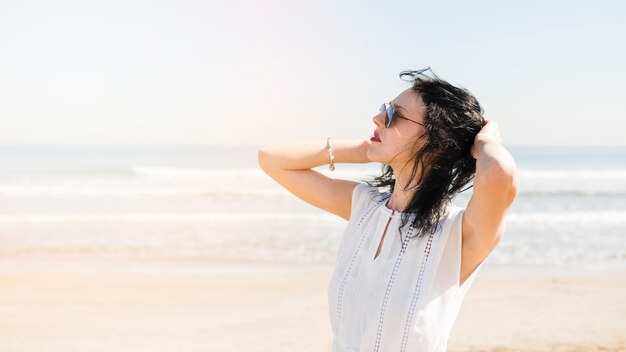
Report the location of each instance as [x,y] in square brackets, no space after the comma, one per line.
[375,139]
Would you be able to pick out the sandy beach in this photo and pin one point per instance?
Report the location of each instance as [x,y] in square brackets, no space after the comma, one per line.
[217,306]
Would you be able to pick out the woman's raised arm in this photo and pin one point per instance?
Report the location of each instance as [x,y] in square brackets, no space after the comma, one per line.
[290,165]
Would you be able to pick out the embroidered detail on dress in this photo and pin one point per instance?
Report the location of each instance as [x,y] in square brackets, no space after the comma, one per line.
[354,255]
[416,293]
[405,243]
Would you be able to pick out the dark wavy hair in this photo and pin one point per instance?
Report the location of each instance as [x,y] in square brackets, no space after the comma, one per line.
[453,119]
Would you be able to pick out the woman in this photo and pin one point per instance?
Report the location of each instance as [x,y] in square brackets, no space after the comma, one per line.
[397,287]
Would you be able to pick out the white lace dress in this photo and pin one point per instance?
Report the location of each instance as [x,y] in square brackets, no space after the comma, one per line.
[404,300]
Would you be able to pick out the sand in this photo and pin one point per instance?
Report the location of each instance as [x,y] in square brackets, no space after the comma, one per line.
[218,306]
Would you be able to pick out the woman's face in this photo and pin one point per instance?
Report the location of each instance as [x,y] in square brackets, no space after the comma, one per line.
[398,140]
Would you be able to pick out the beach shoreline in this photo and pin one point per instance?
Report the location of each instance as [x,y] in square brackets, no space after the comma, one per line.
[191,305]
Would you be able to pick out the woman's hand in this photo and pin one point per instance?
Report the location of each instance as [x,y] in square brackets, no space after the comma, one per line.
[489,133]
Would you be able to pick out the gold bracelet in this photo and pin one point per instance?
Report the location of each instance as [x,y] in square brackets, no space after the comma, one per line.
[331,157]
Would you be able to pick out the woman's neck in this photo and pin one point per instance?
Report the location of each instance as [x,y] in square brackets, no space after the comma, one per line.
[400,197]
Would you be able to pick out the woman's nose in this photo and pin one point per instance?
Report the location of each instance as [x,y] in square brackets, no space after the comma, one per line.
[379,119]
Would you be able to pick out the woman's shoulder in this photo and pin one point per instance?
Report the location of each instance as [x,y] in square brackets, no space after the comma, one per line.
[363,195]
[368,192]
[364,187]
[453,211]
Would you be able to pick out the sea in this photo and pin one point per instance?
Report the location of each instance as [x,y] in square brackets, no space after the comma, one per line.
[211,203]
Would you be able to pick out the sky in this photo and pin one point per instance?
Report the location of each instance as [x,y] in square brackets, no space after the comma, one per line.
[264,72]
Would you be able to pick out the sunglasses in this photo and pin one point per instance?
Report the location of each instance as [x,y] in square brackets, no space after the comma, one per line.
[391,113]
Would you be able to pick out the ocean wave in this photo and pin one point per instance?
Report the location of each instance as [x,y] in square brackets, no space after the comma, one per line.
[526,190]
[604,174]
[193,172]
[526,173]
[571,217]
[171,217]
[135,190]
[180,172]
[171,181]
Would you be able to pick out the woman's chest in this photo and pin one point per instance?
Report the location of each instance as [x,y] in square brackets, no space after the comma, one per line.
[387,266]
[371,298]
